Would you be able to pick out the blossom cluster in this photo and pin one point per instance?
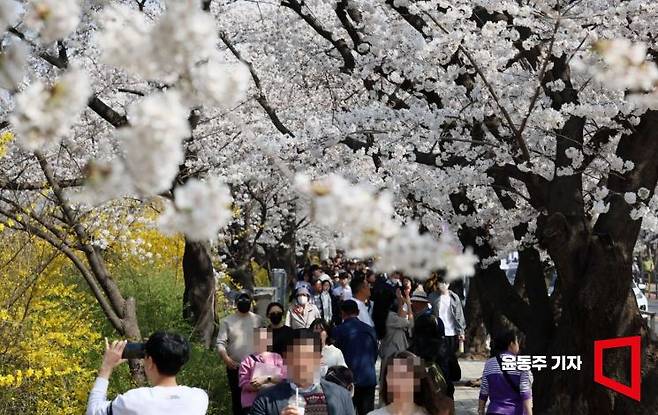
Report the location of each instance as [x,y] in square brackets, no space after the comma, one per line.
[179,49]
[52,19]
[627,66]
[45,113]
[200,209]
[367,227]
[152,143]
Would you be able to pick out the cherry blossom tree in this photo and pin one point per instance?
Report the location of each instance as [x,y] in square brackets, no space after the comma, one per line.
[375,126]
[123,101]
[526,125]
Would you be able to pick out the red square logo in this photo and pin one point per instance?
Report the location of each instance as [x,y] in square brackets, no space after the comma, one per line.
[632,391]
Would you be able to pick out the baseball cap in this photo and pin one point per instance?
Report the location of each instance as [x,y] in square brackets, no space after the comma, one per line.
[243,297]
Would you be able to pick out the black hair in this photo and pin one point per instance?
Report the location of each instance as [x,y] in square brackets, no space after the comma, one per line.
[273,304]
[502,340]
[357,283]
[340,375]
[343,274]
[349,307]
[169,351]
[304,336]
[395,306]
[325,327]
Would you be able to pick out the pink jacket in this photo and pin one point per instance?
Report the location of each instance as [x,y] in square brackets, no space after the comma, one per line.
[246,370]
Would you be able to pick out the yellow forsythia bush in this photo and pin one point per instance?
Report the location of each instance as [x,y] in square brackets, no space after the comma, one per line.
[46,326]
[50,325]
[50,328]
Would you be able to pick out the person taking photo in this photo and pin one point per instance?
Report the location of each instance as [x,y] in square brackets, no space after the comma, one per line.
[164,356]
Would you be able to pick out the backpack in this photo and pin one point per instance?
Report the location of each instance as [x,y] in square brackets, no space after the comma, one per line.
[436,375]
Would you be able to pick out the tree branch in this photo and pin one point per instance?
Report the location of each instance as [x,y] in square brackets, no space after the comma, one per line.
[339,43]
[260,98]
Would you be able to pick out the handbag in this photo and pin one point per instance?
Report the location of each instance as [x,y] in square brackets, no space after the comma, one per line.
[436,374]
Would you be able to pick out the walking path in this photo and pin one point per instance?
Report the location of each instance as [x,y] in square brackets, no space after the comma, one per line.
[466,397]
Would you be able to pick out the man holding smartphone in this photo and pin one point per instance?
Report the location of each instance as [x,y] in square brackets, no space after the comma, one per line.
[164,355]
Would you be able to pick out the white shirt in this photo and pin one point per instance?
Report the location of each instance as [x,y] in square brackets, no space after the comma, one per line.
[446,315]
[331,356]
[158,400]
[418,410]
[364,314]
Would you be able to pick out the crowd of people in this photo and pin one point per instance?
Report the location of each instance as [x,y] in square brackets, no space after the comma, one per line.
[319,355]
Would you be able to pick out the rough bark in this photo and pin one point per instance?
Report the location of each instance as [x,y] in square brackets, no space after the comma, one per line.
[594,269]
[476,332]
[199,294]
[598,305]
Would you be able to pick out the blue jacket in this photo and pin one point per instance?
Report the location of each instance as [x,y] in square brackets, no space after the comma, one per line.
[358,342]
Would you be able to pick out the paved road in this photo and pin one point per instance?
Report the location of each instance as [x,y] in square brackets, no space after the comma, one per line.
[466,398]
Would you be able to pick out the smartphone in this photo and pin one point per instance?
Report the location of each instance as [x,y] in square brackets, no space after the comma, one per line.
[134,351]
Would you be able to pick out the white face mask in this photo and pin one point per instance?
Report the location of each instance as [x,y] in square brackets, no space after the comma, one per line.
[302,300]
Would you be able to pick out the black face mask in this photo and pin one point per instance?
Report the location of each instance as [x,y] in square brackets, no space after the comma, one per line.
[244,306]
[276,318]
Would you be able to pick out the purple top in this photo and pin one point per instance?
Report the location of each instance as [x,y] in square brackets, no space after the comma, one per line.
[504,399]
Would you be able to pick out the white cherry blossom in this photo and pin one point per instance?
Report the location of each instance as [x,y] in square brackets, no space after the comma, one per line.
[152,144]
[45,113]
[9,13]
[52,19]
[13,62]
[200,209]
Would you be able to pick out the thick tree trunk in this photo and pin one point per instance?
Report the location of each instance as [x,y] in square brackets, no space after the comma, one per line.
[597,304]
[594,270]
[284,255]
[199,294]
[476,333]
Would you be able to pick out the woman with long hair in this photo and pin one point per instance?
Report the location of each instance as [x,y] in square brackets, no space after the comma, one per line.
[331,355]
[399,322]
[408,389]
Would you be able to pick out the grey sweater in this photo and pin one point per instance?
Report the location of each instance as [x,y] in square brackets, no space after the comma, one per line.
[273,400]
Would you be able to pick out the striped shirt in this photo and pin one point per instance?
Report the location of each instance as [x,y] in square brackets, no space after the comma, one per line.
[504,400]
